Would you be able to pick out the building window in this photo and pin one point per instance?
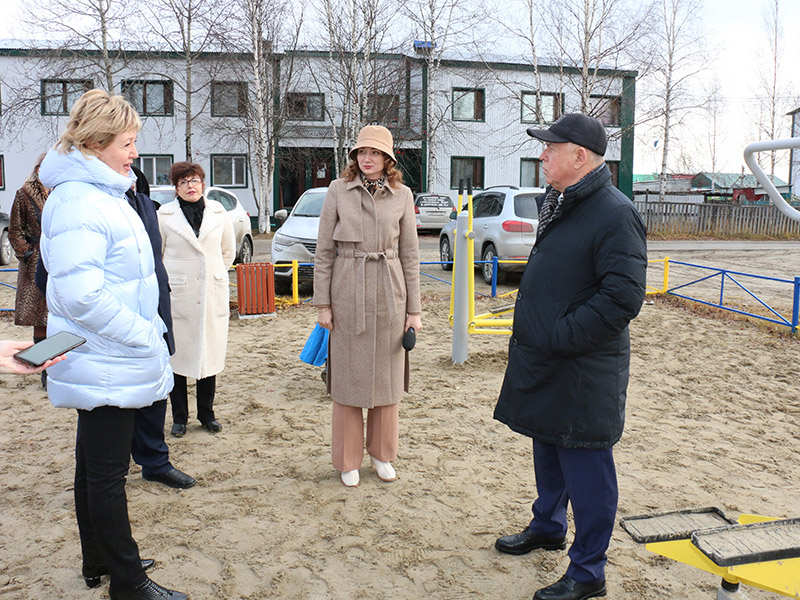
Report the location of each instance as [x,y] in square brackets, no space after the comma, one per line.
[2,172]
[229,170]
[613,166]
[606,109]
[305,107]
[58,95]
[550,109]
[228,98]
[384,108]
[468,104]
[466,167]
[530,173]
[155,167]
[149,98]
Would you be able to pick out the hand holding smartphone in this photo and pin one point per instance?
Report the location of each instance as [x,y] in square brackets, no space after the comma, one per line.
[49,348]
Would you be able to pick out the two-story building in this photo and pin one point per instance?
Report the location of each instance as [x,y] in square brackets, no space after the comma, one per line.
[465,120]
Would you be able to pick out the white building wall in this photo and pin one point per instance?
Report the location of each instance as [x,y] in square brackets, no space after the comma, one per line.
[795,166]
[501,139]
[29,137]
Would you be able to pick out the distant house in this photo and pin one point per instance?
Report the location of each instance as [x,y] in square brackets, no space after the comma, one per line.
[709,187]
[740,188]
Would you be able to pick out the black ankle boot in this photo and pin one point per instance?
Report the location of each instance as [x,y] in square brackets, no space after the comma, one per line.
[92,575]
[149,590]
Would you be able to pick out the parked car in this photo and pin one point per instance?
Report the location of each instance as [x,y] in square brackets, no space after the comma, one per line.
[239,216]
[433,210]
[504,219]
[6,252]
[296,239]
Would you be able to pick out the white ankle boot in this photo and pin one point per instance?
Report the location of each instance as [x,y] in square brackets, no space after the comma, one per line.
[385,470]
[350,478]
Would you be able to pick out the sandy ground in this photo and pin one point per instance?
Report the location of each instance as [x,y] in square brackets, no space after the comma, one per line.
[713,416]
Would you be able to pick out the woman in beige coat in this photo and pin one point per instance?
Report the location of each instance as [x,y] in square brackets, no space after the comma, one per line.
[366,289]
[198,247]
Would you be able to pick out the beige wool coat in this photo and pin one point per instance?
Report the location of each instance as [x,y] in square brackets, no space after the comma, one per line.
[366,268]
[198,282]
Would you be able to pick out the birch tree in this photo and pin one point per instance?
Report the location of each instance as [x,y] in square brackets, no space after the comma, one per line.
[188,28]
[264,26]
[355,75]
[678,63]
[595,34]
[772,93]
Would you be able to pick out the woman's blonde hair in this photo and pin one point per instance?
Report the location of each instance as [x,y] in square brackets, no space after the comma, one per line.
[95,120]
[394,176]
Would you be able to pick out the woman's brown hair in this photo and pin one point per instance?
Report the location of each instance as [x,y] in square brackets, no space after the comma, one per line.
[394,176]
[183,169]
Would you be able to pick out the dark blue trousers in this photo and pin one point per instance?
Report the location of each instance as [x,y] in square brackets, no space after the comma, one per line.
[149,448]
[587,480]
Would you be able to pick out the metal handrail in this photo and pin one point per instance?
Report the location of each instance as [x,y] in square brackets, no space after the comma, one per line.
[762,178]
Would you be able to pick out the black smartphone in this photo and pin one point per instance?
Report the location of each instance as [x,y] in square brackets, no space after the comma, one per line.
[56,345]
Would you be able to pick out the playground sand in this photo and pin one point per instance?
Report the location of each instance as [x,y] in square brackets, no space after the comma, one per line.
[713,415]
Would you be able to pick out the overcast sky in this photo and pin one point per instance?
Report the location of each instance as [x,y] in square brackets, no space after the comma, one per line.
[733,29]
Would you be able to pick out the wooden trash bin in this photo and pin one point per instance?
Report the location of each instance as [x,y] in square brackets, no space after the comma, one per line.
[255,283]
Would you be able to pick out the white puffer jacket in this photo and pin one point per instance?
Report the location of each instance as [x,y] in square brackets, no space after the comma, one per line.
[102,286]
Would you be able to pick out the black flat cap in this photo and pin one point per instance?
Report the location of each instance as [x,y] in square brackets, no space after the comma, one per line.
[577,128]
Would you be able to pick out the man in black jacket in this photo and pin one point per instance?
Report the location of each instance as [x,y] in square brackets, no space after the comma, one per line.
[569,354]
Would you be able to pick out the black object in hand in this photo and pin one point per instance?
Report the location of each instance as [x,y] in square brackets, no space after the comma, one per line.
[409,339]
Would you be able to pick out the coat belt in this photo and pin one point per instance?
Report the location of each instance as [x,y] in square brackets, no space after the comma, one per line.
[361,280]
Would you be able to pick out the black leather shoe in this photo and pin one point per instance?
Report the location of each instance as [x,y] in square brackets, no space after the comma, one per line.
[567,588]
[213,426]
[173,478]
[179,429]
[525,541]
[149,590]
[92,575]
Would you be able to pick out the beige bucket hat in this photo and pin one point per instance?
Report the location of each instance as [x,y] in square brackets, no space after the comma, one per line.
[374,136]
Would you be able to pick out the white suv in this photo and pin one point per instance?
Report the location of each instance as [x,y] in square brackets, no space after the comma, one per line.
[504,219]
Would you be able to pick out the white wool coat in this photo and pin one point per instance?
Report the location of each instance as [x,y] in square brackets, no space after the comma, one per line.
[198,281]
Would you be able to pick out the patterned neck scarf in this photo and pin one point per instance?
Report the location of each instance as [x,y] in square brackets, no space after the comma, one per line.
[551,209]
[373,186]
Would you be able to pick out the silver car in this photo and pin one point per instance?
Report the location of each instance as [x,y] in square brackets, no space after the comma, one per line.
[6,251]
[240,218]
[504,219]
[297,239]
[432,210]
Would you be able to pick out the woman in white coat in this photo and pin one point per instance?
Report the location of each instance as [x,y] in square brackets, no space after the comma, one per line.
[198,247]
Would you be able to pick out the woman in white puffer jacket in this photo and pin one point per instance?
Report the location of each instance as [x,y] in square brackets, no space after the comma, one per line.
[102,286]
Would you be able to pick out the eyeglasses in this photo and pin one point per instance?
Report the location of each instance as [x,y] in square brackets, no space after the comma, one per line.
[187,182]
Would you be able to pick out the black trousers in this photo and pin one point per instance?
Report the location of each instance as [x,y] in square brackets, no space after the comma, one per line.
[102,457]
[206,389]
[149,448]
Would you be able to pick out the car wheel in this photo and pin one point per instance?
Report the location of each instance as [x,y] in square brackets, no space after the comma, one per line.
[445,254]
[246,253]
[486,268]
[5,249]
[283,288]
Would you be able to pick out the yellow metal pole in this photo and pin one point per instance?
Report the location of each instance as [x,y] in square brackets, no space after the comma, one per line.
[295,271]
[470,260]
[455,249]
[666,275]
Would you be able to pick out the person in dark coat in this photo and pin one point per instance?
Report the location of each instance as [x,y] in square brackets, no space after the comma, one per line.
[149,449]
[567,376]
[24,229]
